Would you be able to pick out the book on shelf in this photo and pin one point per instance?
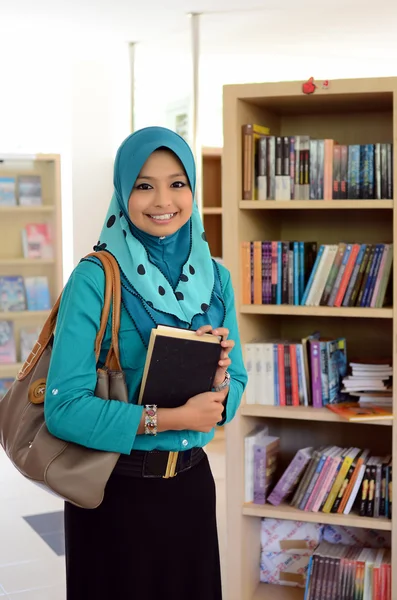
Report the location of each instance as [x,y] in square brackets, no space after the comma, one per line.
[37,241]
[171,351]
[336,571]
[5,385]
[28,338]
[29,190]
[359,412]
[19,293]
[306,372]
[12,293]
[333,479]
[308,274]
[299,167]
[8,353]
[254,165]
[7,191]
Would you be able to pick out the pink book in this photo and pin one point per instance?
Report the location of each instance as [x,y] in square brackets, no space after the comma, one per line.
[318,484]
[37,241]
[323,493]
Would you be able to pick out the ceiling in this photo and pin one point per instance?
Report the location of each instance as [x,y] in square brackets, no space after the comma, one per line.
[231,26]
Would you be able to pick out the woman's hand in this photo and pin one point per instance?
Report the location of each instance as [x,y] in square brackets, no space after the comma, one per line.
[227,346]
[202,412]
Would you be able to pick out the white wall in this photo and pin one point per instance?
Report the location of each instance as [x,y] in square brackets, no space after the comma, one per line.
[73,101]
[100,116]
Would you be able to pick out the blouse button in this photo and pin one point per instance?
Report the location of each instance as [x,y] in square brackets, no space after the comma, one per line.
[185,443]
[54,392]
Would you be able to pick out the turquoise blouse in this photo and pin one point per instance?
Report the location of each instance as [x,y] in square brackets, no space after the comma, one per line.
[75,414]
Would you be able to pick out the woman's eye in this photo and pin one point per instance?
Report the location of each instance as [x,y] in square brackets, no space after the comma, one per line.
[178,184]
[143,186]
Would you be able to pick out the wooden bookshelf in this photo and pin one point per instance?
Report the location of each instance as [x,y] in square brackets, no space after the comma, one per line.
[212,198]
[12,221]
[355,111]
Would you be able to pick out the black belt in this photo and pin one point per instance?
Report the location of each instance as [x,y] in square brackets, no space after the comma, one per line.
[157,463]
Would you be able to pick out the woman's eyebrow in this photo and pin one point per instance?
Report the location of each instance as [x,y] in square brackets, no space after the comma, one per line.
[180,174]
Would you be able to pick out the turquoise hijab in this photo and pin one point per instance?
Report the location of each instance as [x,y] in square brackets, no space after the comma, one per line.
[183,290]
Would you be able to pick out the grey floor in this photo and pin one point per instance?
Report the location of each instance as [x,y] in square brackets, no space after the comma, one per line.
[32,537]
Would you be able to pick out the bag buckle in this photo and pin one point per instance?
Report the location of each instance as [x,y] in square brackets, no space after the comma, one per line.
[171,465]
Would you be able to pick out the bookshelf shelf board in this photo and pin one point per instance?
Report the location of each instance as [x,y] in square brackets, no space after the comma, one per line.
[212,210]
[25,262]
[302,413]
[23,314]
[17,210]
[267,591]
[10,370]
[287,512]
[317,311]
[316,204]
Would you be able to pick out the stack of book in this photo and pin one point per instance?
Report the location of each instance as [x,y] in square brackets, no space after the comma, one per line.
[302,168]
[332,479]
[301,273]
[8,347]
[369,377]
[307,372]
[350,572]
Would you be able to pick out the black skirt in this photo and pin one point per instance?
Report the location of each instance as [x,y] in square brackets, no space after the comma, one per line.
[150,538]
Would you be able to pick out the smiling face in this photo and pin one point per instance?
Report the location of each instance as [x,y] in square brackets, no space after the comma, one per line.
[161,201]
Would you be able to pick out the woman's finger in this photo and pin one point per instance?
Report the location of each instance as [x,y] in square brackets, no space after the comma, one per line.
[204,329]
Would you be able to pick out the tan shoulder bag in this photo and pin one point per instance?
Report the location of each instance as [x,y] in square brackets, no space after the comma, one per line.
[73,472]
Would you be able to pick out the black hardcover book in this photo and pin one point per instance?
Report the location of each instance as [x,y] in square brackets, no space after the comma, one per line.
[179,364]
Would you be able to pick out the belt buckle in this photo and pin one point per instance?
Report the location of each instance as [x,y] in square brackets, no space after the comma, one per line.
[171,465]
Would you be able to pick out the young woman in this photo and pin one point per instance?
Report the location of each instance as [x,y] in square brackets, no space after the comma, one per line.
[152,537]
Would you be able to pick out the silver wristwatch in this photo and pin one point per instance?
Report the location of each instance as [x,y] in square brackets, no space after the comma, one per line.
[225,383]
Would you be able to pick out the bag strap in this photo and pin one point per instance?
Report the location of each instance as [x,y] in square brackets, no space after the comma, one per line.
[112,296]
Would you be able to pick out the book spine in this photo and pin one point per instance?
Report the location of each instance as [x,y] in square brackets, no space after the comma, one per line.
[377,169]
[320,169]
[313,169]
[343,172]
[289,479]
[336,188]
[353,278]
[353,173]
[315,362]
[260,474]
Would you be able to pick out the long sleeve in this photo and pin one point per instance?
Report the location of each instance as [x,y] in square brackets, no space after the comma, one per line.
[238,373]
[72,411]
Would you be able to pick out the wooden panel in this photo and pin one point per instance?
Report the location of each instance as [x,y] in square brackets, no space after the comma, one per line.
[213,231]
[347,128]
[212,175]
